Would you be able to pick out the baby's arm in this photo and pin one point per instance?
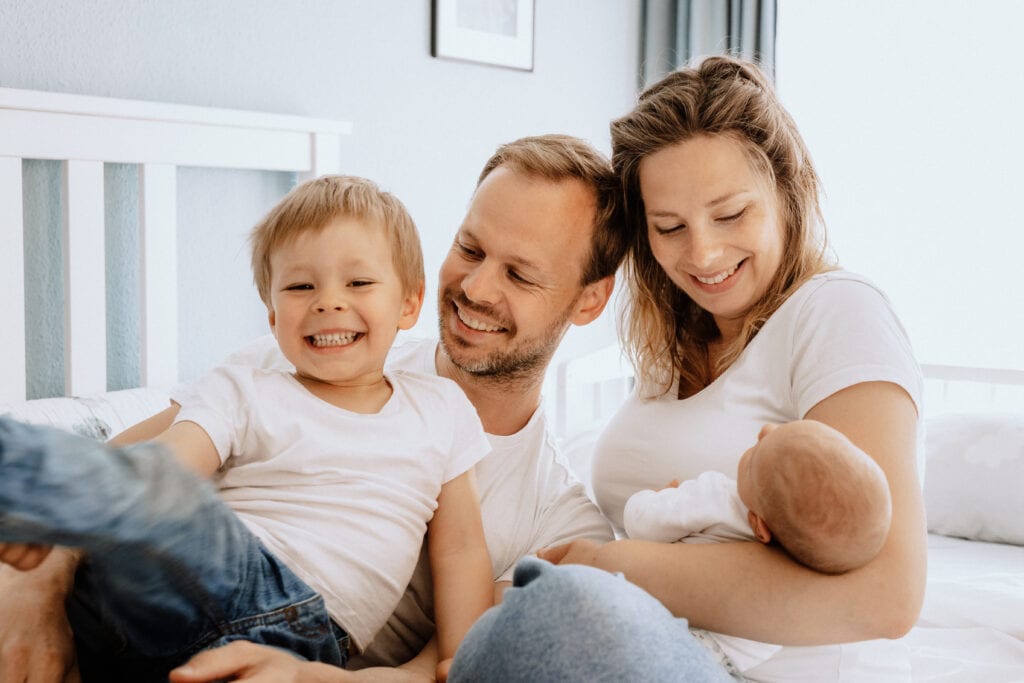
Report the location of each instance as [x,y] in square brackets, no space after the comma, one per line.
[459,563]
[678,510]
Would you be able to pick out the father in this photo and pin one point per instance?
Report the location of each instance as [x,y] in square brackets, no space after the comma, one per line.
[537,252]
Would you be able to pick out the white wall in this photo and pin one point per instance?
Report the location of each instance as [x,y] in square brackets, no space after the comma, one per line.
[912,113]
[423,126]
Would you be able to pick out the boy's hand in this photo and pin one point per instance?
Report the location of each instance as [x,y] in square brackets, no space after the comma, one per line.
[24,556]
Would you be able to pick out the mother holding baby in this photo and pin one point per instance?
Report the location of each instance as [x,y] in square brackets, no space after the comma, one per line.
[736,318]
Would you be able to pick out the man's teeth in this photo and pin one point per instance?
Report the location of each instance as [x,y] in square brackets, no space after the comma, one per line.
[475,324]
[334,339]
[717,278]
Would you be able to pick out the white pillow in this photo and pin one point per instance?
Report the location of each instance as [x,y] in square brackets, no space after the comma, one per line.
[974,479]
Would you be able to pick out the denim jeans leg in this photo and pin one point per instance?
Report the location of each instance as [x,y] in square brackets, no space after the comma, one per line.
[170,567]
[574,623]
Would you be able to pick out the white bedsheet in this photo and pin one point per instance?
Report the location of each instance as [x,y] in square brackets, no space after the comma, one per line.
[971,628]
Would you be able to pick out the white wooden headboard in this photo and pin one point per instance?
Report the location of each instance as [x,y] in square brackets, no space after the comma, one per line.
[85,132]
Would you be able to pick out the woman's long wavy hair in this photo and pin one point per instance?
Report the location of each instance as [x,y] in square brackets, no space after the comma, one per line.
[666,334]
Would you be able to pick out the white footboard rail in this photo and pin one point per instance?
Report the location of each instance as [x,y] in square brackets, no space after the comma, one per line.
[83,133]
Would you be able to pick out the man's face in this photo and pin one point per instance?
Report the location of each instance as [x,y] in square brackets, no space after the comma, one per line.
[510,285]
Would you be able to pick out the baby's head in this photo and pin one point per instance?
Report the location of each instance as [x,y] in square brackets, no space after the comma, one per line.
[823,498]
[338,264]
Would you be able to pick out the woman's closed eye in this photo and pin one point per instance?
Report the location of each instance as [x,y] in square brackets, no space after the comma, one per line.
[733,217]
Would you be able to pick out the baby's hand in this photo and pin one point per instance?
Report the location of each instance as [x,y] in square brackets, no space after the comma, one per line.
[674,484]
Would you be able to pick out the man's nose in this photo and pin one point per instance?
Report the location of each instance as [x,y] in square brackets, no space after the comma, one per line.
[481,284]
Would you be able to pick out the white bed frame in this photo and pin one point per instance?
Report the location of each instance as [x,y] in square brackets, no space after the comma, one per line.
[83,133]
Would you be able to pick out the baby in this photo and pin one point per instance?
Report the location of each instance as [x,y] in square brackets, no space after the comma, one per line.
[803,484]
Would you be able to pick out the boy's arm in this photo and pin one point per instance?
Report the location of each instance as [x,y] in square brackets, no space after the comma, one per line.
[148,429]
[459,563]
[192,447]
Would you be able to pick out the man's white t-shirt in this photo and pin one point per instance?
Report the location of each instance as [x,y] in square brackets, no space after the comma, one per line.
[528,500]
[342,498]
[835,331]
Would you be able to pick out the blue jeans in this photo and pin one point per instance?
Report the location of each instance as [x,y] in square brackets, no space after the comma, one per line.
[574,623]
[170,569]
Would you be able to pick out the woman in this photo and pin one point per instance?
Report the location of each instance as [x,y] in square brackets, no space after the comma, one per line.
[735,319]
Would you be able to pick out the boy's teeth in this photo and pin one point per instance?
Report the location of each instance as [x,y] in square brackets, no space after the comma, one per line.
[717,278]
[476,324]
[333,339]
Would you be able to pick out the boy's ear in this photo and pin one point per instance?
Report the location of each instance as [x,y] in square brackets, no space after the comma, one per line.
[272,319]
[411,305]
[592,301]
[759,527]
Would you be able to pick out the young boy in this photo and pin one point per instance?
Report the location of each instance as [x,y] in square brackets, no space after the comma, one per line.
[328,477]
[822,499]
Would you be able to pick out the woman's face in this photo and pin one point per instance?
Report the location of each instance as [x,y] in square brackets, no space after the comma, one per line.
[714,225]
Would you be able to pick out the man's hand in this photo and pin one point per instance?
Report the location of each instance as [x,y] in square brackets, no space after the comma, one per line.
[36,645]
[580,551]
[245,661]
[24,556]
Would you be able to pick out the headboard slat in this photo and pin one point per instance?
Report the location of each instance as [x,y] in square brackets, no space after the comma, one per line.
[159,271]
[12,281]
[85,303]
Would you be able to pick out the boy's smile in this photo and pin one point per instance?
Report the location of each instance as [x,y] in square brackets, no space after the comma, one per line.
[337,302]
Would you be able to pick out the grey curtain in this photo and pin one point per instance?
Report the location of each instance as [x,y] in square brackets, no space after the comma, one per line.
[675,31]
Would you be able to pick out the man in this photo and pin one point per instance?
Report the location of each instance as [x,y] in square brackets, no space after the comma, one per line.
[537,252]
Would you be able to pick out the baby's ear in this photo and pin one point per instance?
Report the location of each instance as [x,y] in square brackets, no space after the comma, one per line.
[759,527]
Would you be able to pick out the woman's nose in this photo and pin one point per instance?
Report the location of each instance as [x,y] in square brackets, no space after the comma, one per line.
[705,248]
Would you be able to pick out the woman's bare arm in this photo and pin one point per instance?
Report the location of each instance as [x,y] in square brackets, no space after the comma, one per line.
[750,590]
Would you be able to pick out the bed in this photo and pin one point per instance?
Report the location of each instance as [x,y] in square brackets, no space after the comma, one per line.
[972,625]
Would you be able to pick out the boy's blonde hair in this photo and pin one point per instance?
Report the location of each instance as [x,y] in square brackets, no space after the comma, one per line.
[315,203]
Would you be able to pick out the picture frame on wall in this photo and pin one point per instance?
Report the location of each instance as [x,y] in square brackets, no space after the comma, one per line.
[498,32]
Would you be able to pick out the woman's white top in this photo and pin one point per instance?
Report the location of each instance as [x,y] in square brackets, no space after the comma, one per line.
[835,331]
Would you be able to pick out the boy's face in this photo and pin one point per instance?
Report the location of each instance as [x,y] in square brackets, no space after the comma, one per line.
[336,302]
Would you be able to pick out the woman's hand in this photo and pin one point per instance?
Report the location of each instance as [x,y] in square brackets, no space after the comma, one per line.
[580,551]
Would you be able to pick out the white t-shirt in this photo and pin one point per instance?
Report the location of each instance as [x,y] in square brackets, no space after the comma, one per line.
[528,501]
[707,509]
[342,498]
[835,331]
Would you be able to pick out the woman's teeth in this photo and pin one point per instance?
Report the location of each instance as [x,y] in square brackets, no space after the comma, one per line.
[714,280]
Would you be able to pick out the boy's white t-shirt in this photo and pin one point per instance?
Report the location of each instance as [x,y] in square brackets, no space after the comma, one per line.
[342,498]
[528,500]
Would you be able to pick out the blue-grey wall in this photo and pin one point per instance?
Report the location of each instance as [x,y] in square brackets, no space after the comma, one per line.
[422,128]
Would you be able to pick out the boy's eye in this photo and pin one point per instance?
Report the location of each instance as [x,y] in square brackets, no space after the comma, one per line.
[360,283]
[298,287]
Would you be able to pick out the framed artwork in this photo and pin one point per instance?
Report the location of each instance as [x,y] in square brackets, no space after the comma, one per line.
[498,32]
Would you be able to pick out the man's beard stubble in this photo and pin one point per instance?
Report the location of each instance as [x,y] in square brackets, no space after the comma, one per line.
[522,360]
